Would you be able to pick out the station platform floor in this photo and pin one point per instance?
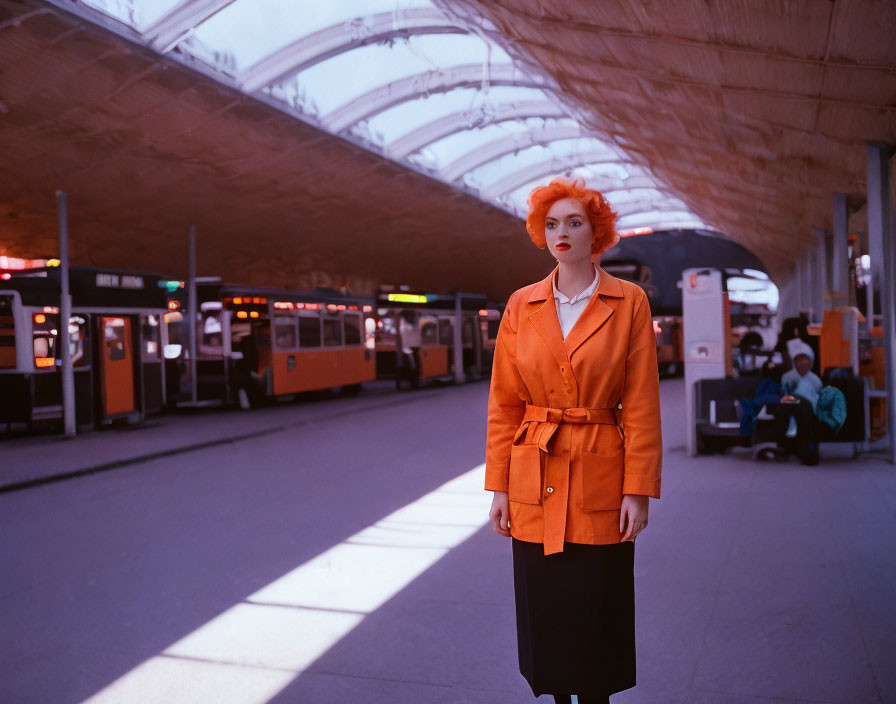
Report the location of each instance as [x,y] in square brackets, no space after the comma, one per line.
[337,551]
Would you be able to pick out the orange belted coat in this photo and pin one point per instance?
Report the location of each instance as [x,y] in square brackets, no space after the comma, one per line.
[574,424]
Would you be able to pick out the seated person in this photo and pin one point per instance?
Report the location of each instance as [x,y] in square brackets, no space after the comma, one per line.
[801,388]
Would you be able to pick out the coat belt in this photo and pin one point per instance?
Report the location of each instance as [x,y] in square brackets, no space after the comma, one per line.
[547,420]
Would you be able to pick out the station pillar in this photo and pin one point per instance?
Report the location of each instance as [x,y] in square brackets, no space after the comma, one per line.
[65,316]
[459,377]
[840,253]
[809,283]
[192,316]
[789,295]
[882,248]
[823,247]
[802,276]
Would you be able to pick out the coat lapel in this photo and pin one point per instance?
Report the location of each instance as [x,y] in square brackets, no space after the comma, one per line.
[595,314]
[544,319]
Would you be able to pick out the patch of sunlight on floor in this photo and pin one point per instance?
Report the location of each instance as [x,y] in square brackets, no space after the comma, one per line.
[256,648]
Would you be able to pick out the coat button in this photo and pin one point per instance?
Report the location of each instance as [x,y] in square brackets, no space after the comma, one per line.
[550,490]
[619,406]
[569,391]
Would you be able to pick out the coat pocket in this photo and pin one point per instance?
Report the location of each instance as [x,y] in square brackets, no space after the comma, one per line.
[525,474]
[602,476]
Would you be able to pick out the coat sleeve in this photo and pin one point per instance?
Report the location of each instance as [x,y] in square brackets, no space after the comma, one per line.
[506,403]
[641,405]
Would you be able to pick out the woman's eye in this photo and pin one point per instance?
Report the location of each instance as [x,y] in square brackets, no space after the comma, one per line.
[574,223]
[549,225]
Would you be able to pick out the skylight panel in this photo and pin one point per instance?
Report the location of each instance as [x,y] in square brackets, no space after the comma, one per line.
[564,151]
[446,150]
[659,219]
[249,30]
[344,78]
[138,14]
[477,105]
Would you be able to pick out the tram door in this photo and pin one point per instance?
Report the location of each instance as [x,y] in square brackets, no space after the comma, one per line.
[116,366]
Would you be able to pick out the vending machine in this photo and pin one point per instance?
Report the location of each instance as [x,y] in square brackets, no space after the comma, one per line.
[706,324]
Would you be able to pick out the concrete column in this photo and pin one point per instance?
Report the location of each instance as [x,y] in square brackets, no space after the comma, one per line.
[459,376]
[823,284]
[65,315]
[192,316]
[880,234]
[840,263]
[811,280]
[819,271]
[878,219]
[804,267]
[788,297]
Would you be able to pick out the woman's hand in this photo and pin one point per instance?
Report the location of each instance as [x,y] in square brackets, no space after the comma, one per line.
[632,515]
[499,514]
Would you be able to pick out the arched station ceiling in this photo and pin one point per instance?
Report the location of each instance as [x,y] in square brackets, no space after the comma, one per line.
[366,55]
[737,118]
[753,113]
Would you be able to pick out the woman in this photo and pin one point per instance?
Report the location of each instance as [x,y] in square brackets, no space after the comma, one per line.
[574,450]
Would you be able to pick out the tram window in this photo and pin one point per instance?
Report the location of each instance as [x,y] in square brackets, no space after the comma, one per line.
[385,330]
[446,331]
[285,332]
[332,331]
[151,338]
[211,338]
[352,328]
[493,326]
[309,330]
[176,335]
[113,337]
[77,341]
[466,331]
[7,334]
[41,346]
[429,331]
[370,333]
[45,329]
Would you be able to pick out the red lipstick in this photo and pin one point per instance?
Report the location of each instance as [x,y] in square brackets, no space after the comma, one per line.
[562,246]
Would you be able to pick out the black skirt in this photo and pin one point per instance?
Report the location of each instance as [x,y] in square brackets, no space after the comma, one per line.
[575,617]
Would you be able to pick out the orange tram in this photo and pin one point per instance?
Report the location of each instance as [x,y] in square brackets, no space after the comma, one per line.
[130,342]
[115,337]
[254,344]
[424,323]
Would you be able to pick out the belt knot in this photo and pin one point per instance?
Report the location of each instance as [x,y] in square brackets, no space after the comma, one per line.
[547,420]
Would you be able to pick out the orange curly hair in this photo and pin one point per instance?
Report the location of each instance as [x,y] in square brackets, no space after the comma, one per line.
[596,207]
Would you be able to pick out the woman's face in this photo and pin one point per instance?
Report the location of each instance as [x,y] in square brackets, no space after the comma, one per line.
[568,231]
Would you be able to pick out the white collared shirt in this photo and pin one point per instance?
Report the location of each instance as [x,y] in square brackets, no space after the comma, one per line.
[569,309]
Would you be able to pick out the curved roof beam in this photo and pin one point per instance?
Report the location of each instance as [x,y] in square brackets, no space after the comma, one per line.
[640,182]
[647,205]
[164,34]
[336,39]
[440,81]
[634,185]
[670,218]
[456,122]
[508,145]
[550,167]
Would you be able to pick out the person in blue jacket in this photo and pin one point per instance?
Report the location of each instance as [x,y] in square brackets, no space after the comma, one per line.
[797,408]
